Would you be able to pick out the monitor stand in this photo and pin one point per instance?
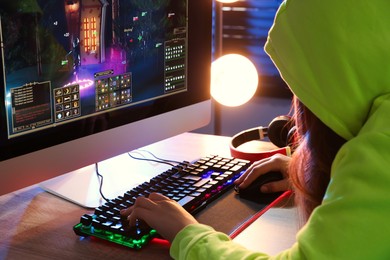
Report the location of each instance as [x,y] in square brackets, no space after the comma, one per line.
[80,187]
[120,173]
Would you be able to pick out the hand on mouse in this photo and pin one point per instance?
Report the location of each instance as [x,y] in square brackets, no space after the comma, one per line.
[161,213]
[277,162]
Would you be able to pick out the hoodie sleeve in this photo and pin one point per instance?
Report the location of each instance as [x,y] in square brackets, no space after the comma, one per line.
[199,241]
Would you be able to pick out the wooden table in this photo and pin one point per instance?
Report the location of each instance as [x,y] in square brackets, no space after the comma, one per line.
[35,224]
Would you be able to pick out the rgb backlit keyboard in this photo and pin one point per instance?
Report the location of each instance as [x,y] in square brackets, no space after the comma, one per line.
[193,185]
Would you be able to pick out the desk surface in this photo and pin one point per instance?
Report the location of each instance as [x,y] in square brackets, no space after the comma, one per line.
[35,224]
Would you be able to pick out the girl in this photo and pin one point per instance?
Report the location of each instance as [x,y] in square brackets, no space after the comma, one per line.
[335,57]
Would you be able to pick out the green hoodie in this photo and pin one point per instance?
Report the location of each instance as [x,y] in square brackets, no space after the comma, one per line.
[335,57]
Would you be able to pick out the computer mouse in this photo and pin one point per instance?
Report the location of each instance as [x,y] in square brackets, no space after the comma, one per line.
[253,193]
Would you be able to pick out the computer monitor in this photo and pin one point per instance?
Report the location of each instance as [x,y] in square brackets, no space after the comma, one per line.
[86,80]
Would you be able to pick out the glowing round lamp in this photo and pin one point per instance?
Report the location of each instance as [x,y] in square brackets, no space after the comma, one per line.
[227,1]
[234,80]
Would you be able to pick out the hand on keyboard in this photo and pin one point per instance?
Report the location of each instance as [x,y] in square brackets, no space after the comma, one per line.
[161,213]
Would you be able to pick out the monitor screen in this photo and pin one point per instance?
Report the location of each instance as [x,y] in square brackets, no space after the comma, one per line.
[84,80]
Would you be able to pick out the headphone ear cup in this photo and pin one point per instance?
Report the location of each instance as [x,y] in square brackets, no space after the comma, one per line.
[278,130]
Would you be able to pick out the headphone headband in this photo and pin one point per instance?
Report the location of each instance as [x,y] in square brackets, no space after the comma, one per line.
[253,134]
[256,133]
[278,132]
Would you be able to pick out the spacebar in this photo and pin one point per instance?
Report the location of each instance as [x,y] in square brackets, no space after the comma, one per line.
[185,200]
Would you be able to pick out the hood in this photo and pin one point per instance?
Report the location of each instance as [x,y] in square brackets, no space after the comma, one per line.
[335,57]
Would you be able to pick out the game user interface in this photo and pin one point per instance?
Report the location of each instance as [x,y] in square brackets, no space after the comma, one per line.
[65,60]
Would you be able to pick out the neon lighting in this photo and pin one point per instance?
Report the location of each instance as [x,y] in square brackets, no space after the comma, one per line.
[83,83]
[119,239]
[207,174]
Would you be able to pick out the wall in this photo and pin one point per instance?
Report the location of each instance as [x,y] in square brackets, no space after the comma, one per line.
[258,112]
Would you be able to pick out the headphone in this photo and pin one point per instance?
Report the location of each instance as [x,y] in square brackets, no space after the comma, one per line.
[280,132]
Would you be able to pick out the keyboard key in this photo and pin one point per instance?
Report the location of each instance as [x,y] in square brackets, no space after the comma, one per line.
[201,182]
[185,200]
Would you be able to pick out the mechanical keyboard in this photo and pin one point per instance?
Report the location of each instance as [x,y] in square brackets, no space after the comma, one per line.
[193,185]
